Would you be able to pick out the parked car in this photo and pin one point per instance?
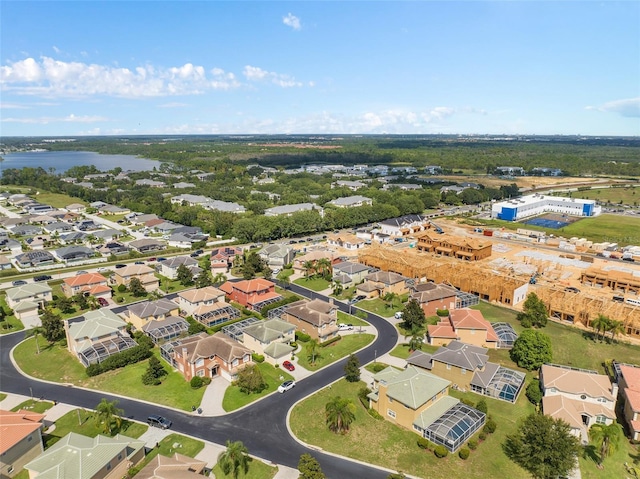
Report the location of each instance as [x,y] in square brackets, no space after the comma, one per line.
[78,273]
[360,297]
[198,252]
[42,277]
[288,366]
[571,289]
[398,315]
[310,240]
[285,386]
[19,282]
[162,259]
[159,421]
[194,255]
[103,302]
[152,259]
[139,262]
[345,327]
[118,266]
[103,270]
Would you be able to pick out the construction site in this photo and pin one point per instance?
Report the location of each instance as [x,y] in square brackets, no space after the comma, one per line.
[576,288]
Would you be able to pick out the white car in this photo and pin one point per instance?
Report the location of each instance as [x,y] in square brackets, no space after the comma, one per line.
[345,327]
[398,315]
[285,386]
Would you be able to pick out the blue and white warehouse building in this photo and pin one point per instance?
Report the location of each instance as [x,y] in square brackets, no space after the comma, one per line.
[533,205]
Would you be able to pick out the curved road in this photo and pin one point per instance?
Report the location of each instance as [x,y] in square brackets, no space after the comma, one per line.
[260,426]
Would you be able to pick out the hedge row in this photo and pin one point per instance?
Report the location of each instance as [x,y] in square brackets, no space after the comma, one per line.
[120,360]
[291,299]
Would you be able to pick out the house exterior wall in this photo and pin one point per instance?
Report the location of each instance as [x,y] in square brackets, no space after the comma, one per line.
[16,457]
[477,337]
[631,415]
[430,308]
[323,333]
[404,415]
[206,367]
[399,288]
[461,377]
[439,341]
[139,322]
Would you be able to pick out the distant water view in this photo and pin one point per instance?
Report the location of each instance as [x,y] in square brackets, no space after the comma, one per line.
[61,161]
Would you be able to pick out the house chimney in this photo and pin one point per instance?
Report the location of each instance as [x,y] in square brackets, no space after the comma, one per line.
[184,352]
[614,390]
[331,301]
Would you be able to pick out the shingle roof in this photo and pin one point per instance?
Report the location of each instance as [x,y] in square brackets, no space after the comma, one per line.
[98,323]
[219,345]
[412,387]
[576,381]
[426,292]
[462,355]
[201,294]
[315,312]
[156,308]
[386,277]
[88,279]
[270,330]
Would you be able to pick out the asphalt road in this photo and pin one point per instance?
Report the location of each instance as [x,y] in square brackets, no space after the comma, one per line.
[260,426]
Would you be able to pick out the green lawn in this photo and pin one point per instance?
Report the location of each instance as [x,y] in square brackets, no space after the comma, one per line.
[257,470]
[3,396]
[613,466]
[314,284]
[83,422]
[10,323]
[56,363]
[34,405]
[348,344]
[174,443]
[234,398]
[57,200]
[171,285]
[402,350]
[351,319]
[379,307]
[626,196]
[381,443]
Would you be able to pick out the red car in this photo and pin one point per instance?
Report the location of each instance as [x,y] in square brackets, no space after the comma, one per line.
[288,366]
[103,302]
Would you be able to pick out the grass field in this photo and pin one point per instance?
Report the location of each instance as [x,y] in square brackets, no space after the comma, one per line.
[377,441]
[350,319]
[57,200]
[56,363]
[348,344]
[617,196]
[174,443]
[234,398]
[10,322]
[83,422]
[34,405]
[314,284]
[379,307]
[257,470]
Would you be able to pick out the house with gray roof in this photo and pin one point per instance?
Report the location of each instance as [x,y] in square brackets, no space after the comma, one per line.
[270,338]
[226,206]
[74,253]
[27,299]
[26,230]
[191,200]
[100,334]
[316,318]
[288,210]
[34,259]
[151,183]
[419,401]
[81,457]
[169,268]
[73,237]
[182,185]
[10,245]
[350,201]
[350,272]
[147,245]
[108,234]
[277,255]
[58,227]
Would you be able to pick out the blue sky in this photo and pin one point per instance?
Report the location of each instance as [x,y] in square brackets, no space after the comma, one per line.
[186,67]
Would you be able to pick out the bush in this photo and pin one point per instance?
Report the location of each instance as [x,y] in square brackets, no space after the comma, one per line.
[464,453]
[378,367]
[533,392]
[440,451]
[294,345]
[120,360]
[302,337]
[330,341]
[362,396]
[490,427]
[424,443]
[258,358]
[374,414]
[196,382]
[206,381]
[121,288]
[442,312]
[473,444]
[468,402]
[482,406]
[482,436]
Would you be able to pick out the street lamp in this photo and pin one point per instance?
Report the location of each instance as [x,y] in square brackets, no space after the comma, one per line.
[375,355]
[31,391]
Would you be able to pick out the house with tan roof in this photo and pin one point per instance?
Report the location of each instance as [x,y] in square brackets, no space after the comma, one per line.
[253,294]
[207,356]
[347,241]
[206,305]
[270,338]
[316,318]
[81,457]
[143,273]
[579,397]
[139,314]
[177,466]
[20,440]
[92,284]
[419,401]
[382,282]
[431,297]
[313,257]
[468,368]
[628,379]
[466,325]
[468,249]
[97,336]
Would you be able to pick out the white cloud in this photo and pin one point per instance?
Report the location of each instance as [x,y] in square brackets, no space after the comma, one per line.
[56,49]
[43,120]
[13,106]
[173,104]
[292,21]
[53,78]
[257,74]
[628,107]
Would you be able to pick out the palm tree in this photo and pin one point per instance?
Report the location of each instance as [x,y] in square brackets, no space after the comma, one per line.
[416,341]
[234,459]
[606,438]
[337,287]
[389,298]
[339,413]
[308,267]
[312,349]
[323,266]
[601,323]
[106,412]
[219,278]
[615,328]
[38,330]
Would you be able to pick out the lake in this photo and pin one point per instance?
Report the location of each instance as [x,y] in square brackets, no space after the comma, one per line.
[61,161]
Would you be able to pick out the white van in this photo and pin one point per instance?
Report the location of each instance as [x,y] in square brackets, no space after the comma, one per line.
[398,315]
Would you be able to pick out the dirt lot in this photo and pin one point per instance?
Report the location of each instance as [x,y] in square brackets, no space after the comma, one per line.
[531,182]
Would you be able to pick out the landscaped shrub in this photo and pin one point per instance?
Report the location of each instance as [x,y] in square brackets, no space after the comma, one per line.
[468,402]
[302,337]
[533,392]
[330,341]
[120,360]
[196,382]
[464,453]
[258,358]
[377,367]
[294,345]
[121,288]
[490,427]
[440,451]
[442,312]
[362,396]
[473,444]
[206,381]
[482,436]
[424,443]
[374,414]
[291,299]
[482,406]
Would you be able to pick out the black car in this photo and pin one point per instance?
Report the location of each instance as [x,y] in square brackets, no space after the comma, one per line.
[19,282]
[42,277]
[118,266]
[159,421]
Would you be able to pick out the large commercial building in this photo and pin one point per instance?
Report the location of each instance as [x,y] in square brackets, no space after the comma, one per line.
[533,205]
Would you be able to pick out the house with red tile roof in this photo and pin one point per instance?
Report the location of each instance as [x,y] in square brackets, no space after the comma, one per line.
[466,325]
[628,377]
[222,258]
[431,297]
[92,284]
[20,440]
[253,294]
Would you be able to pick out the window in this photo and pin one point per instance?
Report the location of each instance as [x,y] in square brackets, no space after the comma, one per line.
[30,438]
[473,331]
[10,470]
[390,400]
[600,419]
[448,366]
[200,373]
[391,413]
[120,457]
[246,358]
[464,371]
[200,363]
[235,363]
[108,466]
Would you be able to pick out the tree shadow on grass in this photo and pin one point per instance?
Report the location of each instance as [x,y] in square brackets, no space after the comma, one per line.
[590,452]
